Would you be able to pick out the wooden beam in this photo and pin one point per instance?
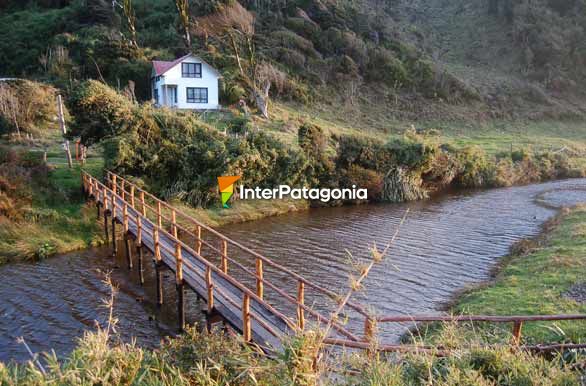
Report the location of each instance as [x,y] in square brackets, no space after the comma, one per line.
[224,257]
[210,288]
[300,304]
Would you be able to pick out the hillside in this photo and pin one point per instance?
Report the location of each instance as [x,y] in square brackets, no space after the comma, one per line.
[411,60]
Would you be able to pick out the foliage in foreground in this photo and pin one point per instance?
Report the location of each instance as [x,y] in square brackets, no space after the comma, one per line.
[198,358]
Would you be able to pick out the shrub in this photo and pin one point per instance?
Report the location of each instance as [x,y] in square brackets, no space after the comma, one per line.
[475,170]
[100,112]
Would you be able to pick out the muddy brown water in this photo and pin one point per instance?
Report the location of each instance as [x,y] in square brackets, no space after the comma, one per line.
[446,243]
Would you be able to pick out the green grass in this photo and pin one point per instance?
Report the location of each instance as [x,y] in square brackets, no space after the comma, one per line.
[59,220]
[536,283]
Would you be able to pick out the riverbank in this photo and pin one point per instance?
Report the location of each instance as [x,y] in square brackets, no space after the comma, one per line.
[43,211]
[543,275]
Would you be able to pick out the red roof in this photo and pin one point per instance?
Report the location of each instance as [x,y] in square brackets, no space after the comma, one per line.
[162,67]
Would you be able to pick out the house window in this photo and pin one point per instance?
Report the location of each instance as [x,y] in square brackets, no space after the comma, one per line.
[191,70]
[156,95]
[197,95]
[174,94]
[158,78]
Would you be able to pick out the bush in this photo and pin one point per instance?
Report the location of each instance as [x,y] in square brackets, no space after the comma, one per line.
[100,112]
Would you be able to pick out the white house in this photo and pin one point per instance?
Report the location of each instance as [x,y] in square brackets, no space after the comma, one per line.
[185,83]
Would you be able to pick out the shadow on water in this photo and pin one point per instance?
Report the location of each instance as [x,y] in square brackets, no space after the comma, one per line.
[448,242]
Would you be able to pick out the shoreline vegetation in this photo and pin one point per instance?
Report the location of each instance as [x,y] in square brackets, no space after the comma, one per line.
[481,354]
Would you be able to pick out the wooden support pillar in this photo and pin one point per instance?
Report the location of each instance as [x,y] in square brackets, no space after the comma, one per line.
[300,303]
[180,286]
[106,226]
[224,257]
[128,242]
[159,282]
[158,267]
[114,245]
[260,286]
[139,249]
[123,190]
[132,196]
[246,325]
[140,263]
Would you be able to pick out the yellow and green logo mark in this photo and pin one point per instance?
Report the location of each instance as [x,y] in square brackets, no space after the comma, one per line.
[226,184]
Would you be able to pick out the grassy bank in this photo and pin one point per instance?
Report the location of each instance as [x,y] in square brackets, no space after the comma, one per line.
[542,276]
[43,211]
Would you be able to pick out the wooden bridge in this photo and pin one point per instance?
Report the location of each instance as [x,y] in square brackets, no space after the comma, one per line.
[261,299]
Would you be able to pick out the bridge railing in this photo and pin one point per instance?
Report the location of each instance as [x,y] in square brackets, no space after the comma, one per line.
[517,322]
[191,232]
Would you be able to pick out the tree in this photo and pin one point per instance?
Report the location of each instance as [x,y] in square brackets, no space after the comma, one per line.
[10,106]
[130,20]
[233,27]
[183,10]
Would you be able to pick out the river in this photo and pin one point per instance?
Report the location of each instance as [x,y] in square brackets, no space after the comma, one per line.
[446,244]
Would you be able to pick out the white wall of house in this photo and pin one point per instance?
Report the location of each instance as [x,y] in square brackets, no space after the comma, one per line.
[173,79]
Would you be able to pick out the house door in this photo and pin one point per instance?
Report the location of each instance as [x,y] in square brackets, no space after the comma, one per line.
[173,96]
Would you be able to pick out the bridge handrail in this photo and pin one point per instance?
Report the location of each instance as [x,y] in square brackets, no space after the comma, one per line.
[340,329]
[332,295]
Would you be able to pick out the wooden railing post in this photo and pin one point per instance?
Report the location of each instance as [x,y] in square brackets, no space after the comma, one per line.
[517,327]
[157,245]
[368,329]
[123,190]
[159,216]
[132,196]
[300,303]
[178,263]
[142,204]
[138,230]
[105,199]
[114,184]
[260,287]
[224,257]
[174,223]
[125,217]
[199,242]
[210,288]
[246,326]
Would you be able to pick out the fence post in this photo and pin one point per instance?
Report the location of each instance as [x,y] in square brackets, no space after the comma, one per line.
[114,245]
[517,326]
[224,257]
[127,240]
[300,303]
[260,287]
[246,330]
[368,329]
[123,190]
[210,287]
